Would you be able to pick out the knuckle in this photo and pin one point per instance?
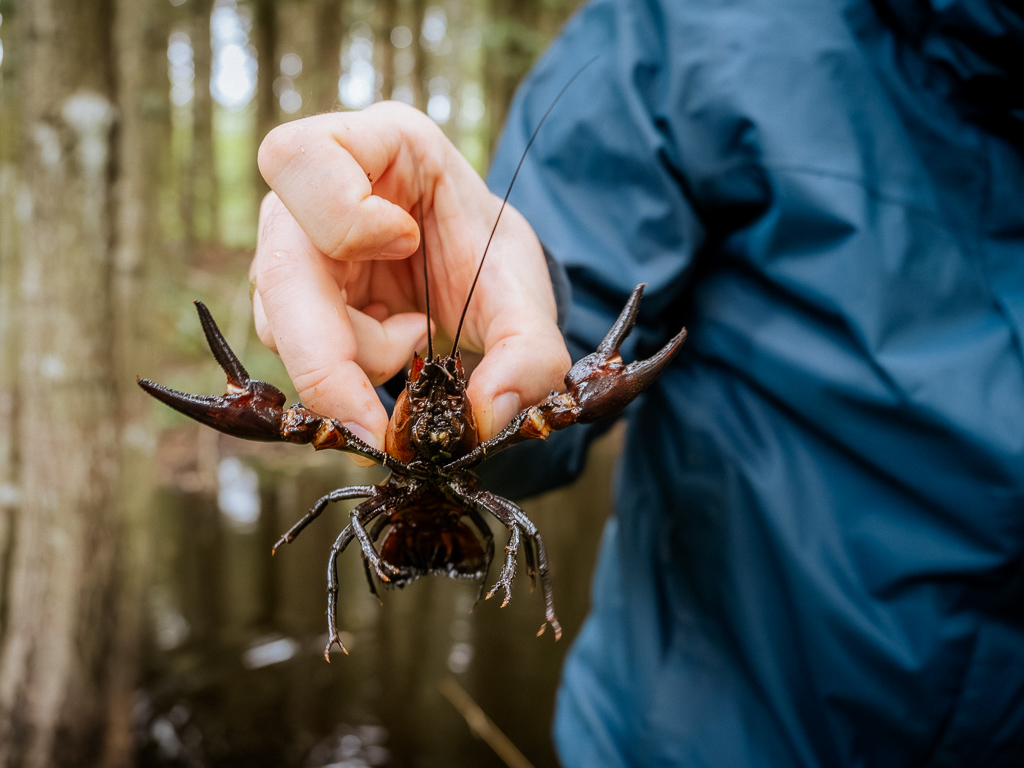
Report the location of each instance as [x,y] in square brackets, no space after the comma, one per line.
[378,365]
[338,242]
[310,384]
[264,333]
[267,339]
[275,270]
[270,205]
[559,361]
[272,211]
[376,374]
[398,112]
[277,149]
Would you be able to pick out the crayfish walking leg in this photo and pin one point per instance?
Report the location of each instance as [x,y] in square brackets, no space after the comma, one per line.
[352,492]
[541,568]
[508,569]
[513,518]
[488,537]
[361,515]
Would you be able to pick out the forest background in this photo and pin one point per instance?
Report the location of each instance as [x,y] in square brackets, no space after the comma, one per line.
[142,621]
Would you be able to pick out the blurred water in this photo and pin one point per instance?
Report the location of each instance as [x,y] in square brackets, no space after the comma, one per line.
[235,674]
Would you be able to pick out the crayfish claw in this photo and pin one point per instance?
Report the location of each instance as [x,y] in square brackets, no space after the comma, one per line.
[609,346]
[249,408]
[238,377]
[600,385]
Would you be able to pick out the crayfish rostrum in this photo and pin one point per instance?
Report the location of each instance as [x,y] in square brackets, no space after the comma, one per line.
[428,507]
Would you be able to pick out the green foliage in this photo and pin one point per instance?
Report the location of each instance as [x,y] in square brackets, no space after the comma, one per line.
[519,43]
[235,148]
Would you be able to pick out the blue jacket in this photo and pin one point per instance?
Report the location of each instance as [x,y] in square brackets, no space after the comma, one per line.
[817,553]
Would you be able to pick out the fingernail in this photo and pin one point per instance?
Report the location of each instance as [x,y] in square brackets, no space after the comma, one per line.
[400,247]
[503,408]
[367,437]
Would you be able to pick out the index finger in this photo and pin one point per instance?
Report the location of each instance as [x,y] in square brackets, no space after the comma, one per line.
[324,168]
[311,328]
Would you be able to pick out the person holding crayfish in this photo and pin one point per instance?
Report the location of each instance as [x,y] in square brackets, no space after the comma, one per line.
[818,552]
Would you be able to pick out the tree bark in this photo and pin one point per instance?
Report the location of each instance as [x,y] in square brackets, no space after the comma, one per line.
[516,45]
[199,179]
[326,63]
[384,51]
[67,654]
[419,67]
[141,30]
[10,124]
[265,39]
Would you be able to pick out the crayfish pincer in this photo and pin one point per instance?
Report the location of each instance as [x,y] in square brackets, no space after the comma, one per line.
[429,509]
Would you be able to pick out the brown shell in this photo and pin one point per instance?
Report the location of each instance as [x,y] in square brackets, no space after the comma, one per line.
[398,440]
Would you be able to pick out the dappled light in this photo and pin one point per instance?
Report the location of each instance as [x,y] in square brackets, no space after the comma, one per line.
[181,68]
[234,59]
[358,85]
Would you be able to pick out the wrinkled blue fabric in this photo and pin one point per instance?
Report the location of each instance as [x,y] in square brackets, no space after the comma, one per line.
[816,558]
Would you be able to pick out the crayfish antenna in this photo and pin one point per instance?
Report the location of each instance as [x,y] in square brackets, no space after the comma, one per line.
[426,280]
[476,277]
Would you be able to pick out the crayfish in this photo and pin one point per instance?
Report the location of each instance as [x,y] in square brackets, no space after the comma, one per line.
[429,508]
[427,505]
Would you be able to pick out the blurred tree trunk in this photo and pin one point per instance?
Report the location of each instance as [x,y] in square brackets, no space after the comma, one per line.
[199,184]
[385,51]
[450,63]
[141,32]
[69,643]
[264,35]
[326,64]
[514,46]
[9,151]
[419,67]
[8,368]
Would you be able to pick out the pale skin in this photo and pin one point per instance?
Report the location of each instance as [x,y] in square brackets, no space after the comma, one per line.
[339,281]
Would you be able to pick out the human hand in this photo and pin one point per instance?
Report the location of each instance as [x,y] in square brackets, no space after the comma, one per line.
[338,297]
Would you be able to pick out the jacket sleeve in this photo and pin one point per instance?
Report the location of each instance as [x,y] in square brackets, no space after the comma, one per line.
[601,186]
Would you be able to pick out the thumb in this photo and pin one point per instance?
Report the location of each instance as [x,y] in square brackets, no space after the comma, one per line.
[384,347]
[518,371]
